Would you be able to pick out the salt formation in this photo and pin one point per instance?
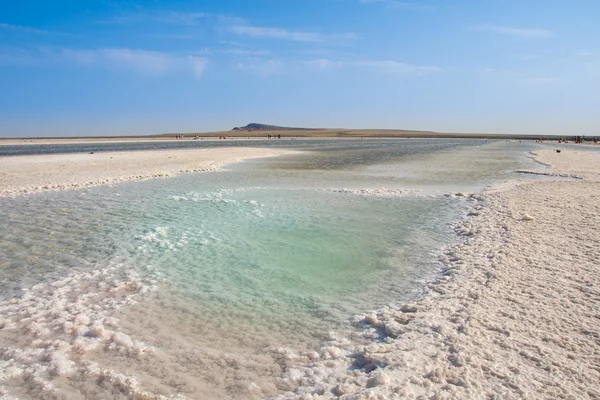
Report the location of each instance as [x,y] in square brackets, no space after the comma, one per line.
[48,333]
[375,192]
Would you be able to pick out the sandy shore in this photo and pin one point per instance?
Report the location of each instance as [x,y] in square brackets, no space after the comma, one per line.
[515,313]
[24,174]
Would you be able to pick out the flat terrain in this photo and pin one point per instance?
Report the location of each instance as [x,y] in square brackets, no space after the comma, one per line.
[285,134]
[23,174]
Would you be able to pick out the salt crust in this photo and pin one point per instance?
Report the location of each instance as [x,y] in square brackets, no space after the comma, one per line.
[514,312]
[391,193]
[27,174]
[375,192]
[53,326]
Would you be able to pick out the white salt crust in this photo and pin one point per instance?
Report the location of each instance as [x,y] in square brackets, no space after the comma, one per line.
[54,326]
[376,192]
[392,193]
[30,174]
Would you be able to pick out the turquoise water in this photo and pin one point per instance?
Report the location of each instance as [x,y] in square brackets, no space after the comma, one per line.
[195,285]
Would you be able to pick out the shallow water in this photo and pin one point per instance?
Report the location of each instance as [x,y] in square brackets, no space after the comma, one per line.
[195,286]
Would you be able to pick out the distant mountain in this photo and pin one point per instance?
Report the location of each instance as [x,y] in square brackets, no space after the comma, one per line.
[263,127]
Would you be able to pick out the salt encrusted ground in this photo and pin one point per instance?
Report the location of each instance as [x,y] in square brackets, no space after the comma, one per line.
[23,174]
[515,313]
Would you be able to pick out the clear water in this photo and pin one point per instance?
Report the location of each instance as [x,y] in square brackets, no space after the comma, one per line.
[192,285]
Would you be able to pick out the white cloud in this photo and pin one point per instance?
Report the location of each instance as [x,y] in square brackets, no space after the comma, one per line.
[541,81]
[198,65]
[142,62]
[286,34]
[395,67]
[400,4]
[152,63]
[10,56]
[262,67]
[203,52]
[230,43]
[230,23]
[139,61]
[174,36]
[488,70]
[385,66]
[230,20]
[520,32]
[323,64]
[27,30]
[164,17]
[276,33]
[344,36]
[179,18]
[19,28]
[145,62]
[246,52]
[529,57]
[81,57]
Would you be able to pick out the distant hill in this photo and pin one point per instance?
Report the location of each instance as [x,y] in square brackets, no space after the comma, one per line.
[263,127]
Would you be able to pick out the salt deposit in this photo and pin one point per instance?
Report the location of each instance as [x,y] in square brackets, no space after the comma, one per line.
[376,192]
[513,314]
[26,174]
[49,333]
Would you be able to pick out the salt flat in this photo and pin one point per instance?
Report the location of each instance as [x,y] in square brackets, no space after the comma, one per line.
[513,313]
[22,174]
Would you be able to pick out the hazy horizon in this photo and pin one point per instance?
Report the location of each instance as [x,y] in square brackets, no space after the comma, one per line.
[304,131]
[149,67]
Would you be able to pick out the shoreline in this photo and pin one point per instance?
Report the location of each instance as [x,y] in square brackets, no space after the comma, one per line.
[35,173]
[512,314]
[234,139]
[299,133]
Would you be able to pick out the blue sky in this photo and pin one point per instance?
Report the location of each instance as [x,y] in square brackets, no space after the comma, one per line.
[143,67]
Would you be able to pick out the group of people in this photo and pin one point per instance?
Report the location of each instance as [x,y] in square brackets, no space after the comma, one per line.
[197,137]
[578,139]
[575,139]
